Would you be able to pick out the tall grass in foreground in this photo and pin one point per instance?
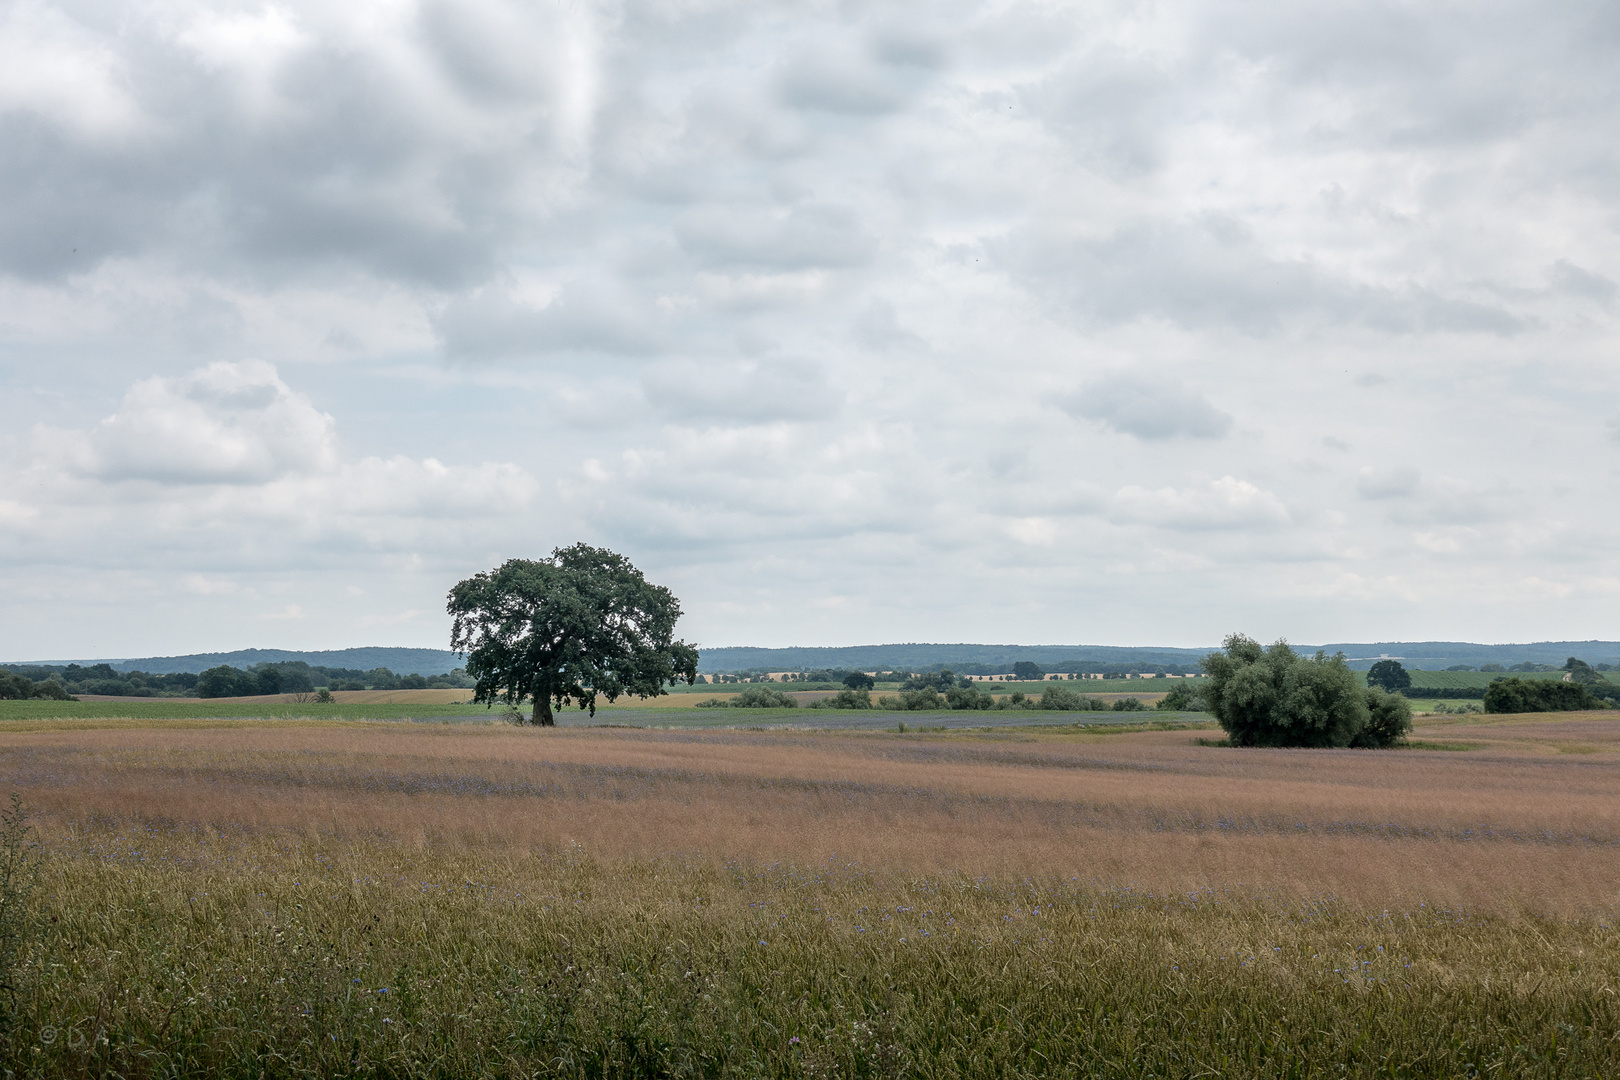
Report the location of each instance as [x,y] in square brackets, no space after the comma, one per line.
[190,953]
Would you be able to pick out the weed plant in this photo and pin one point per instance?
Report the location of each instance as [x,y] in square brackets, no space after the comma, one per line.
[19,922]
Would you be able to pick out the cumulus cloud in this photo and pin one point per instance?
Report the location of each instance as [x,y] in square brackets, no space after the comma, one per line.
[226,423]
[1227,503]
[755,290]
[228,464]
[1147,408]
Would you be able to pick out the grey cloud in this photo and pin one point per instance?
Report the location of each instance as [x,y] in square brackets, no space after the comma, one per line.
[878,326]
[754,392]
[1396,483]
[897,192]
[1109,110]
[493,325]
[840,81]
[1572,280]
[1208,273]
[331,155]
[758,237]
[1147,408]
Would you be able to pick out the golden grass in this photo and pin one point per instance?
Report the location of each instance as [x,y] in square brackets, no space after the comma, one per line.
[322,898]
[1517,825]
[357,697]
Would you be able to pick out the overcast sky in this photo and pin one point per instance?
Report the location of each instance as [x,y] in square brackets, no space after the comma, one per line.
[1005,322]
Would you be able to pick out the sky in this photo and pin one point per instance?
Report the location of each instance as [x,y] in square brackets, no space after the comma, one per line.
[1017,322]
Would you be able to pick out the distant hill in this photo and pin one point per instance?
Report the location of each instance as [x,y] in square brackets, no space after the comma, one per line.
[916,656]
[1432,655]
[1439,655]
[399,661]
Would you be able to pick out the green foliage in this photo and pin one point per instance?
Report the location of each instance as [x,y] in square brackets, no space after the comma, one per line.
[1027,670]
[1581,672]
[859,680]
[1185,696]
[1492,667]
[22,688]
[1129,704]
[968,697]
[937,681]
[1389,719]
[850,699]
[1515,695]
[567,628]
[763,697]
[323,696]
[1275,697]
[920,698]
[1062,698]
[1390,675]
[1059,698]
[227,681]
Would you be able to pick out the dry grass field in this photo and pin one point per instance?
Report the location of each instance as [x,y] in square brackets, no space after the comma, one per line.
[341,898]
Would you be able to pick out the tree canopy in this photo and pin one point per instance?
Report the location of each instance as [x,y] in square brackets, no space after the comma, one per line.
[1390,675]
[1515,695]
[1275,697]
[581,623]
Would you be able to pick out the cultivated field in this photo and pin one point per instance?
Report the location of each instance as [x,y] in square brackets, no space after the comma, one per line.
[329,898]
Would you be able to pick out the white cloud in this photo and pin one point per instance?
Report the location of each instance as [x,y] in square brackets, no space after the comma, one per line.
[226,423]
[1227,503]
[768,295]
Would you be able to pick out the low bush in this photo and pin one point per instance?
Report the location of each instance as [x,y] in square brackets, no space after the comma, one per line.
[1515,695]
[22,688]
[754,697]
[1273,696]
[1183,697]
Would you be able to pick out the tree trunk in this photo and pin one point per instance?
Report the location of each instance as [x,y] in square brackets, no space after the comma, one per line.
[542,711]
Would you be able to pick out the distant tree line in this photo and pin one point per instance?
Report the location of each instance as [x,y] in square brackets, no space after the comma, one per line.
[1586,688]
[1024,669]
[925,692]
[15,687]
[286,677]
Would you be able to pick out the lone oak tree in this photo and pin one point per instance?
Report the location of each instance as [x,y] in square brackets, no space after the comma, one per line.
[565,629]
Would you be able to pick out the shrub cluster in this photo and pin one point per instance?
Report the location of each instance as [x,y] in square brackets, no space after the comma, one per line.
[754,697]
[1515,695]
[1275,697]
[21,688]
